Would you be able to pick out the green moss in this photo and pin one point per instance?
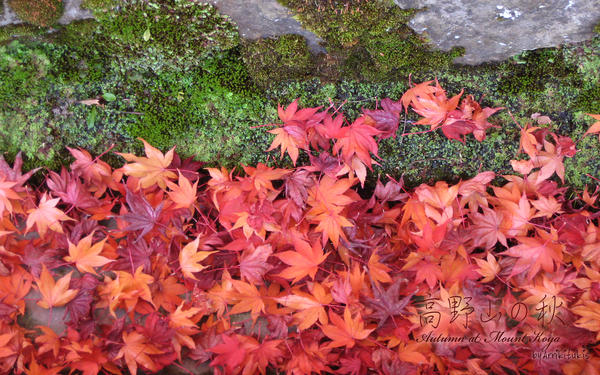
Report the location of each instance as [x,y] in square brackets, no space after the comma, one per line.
[368,40]
[532,70]
[165,34]
[98,5]
[11,32]
[201,117]
[42,13]
[277,59]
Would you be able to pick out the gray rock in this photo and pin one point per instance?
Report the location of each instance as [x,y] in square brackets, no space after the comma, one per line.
[73,11]
[496,30]
[8,17]
[265,18]
[38,316]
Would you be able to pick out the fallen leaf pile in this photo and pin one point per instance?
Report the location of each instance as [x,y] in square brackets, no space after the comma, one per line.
[260,269]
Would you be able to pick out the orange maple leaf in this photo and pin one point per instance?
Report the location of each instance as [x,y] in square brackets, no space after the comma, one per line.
[488,269]
[377,270]
[250,299]
[126,288]
[46,216]
[183,194]
[48,341]
[85,256]
[420,90]
[309,308]
[152,169]
[595,127]
[345,332]
[6,194]
[536,253]
[190,258]
[54,293]
[435,108]
[304,261]
[136,350]
[290,138]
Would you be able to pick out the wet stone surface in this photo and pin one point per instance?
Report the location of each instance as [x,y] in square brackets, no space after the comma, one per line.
[265,18]
[496,30]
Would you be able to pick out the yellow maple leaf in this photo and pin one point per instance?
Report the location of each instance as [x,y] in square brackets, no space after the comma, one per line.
[152,169]
[53,293]
[190,258]
[46,216]
[85,256]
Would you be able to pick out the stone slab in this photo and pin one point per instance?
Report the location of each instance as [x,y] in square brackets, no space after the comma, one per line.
[495,30]
[265,18]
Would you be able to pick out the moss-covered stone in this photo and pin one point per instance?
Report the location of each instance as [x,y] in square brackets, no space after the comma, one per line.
[367,40]
[42,13]
[98,5]
[206,103]
[164,34]
[277,59]
[10,32]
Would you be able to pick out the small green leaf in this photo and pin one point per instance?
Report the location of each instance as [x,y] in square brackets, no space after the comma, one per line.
[91,118]
[146,35]
[109,97]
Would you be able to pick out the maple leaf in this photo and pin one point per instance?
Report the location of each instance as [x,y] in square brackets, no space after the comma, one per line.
[388,303]
[46,216]
[386,120]
[53,293]
[327,199]
[486,230]
[253,264]
[151,170]
[47,341]
[70,190]
[142,215]
[96,173]
[595,127]
[15,174]
[136,349]
[190,258]
[183,193]
[549,161]
[36,368]
[345,332]
[262,176]
[250,299]
[230,353]
[590,316]
[296,186]
[166,292]
[133,254]
[357,139]
[85,256]
[127,288]
[309,308]
[80,306]
[536,253]
[420,90]
[6,194]
[260,355]
[290,138]
[435,108]
[377,270]
[488,269]
[528,141]
[303,262]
